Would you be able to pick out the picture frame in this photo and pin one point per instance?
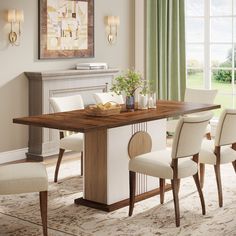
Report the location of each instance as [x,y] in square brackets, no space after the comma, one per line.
[66,29]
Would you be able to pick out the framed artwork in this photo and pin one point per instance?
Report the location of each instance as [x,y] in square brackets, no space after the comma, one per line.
[66,28]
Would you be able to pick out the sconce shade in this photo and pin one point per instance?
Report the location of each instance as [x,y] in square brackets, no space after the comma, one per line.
[19,16]
[11,15]
[110,20]
[117,20]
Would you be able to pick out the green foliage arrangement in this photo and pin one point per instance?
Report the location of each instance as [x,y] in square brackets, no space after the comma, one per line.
[148,86]
[127,83]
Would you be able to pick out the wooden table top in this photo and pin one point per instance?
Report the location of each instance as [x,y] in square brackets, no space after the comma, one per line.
[79,121]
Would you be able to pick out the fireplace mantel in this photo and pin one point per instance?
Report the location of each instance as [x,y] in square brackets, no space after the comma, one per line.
[61,74]
[46,84]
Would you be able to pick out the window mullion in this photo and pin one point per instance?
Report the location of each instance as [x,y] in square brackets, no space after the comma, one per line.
[207,56]
[233,56]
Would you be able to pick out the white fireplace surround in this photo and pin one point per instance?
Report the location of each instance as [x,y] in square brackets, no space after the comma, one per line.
[43,85]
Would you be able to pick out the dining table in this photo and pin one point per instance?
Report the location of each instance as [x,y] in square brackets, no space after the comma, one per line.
[106,144]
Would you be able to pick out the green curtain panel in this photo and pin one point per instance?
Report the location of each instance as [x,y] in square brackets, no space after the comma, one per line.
[165,47]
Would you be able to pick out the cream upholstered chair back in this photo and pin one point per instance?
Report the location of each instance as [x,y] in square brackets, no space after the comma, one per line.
[188,135]
[108,97]
[203,96]
[200,95]
[226,128]
[68,103]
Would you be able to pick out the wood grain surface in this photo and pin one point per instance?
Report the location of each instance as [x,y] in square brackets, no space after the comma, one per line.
[79,121]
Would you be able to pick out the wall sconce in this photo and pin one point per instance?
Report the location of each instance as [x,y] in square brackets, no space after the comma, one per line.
[15,17]
[112,22]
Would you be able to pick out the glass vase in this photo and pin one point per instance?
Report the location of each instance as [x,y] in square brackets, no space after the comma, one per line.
[130,103]
[152,101]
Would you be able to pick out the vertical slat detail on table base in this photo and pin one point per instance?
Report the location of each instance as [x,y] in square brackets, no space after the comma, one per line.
[95,177]
[141,179]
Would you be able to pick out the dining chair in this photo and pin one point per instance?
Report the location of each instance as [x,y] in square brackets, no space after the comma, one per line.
[108,97]
[195,96]
[220,151]
[26,178]
[173,164]
[68,140]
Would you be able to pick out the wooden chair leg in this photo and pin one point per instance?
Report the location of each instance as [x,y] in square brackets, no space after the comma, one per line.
[82,164]
[219,186]
[132,186]
[178,184]
[162,190]
[208,136]
[43,198]
[234,165]
[197,182]
[202,174]
[174,185]
[61,152]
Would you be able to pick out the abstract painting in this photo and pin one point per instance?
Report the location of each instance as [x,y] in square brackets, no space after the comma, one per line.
[66,28]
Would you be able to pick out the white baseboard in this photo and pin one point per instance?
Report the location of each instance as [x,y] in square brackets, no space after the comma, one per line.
[14,155]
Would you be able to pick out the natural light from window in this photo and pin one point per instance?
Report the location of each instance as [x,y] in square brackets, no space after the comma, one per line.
[210,43]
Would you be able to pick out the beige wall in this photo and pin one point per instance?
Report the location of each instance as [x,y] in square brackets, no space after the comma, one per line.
[15,60]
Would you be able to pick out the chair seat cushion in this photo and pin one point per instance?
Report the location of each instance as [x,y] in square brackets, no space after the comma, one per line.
[157,164]
[207,156]
[73,142]
[23,178]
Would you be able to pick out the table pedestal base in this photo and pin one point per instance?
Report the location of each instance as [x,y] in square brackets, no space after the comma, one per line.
[118,205]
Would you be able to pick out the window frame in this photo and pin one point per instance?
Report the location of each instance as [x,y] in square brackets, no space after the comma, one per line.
[207,68]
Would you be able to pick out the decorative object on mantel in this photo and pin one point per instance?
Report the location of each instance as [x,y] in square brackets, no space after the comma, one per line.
[15,18]
[128,84]
[91,66]
[112,23]
[66,28]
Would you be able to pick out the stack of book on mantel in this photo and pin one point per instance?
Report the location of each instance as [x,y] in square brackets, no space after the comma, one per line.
[91,66]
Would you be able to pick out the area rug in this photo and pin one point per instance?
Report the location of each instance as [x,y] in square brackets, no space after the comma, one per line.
[19,214]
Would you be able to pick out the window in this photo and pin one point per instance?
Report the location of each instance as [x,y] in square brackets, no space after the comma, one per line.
[211,47]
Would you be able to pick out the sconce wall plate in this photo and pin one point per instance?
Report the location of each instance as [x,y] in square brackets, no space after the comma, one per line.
[12,37]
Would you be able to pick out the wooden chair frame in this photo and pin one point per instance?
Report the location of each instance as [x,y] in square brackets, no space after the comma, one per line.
[43,199]
[60,155]
[175,183]
[217,152]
